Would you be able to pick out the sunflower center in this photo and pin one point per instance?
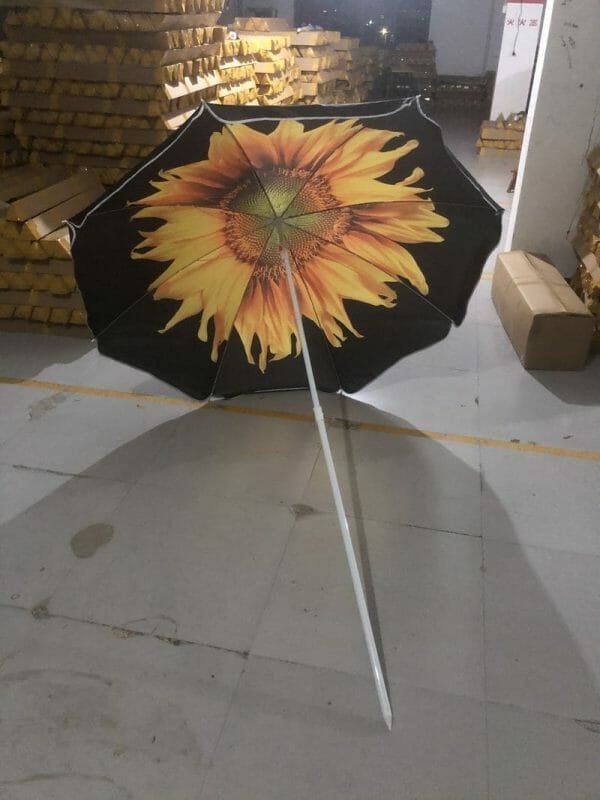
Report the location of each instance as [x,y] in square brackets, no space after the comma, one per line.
[285,207]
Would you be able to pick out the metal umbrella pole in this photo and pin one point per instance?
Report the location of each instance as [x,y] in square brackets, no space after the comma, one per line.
[359,592]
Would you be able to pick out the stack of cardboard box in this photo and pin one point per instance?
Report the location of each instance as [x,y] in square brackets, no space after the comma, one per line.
[502,134]
[352,85]
[101,88]
[463,91]
[414,62]
[587,243]
[548,325]
[10,152]
[319,64]
[276,73]
[37,284]
[370,65]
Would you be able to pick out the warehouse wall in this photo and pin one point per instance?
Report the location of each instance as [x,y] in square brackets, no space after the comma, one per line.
[562,127]
[496,32]
[467,35]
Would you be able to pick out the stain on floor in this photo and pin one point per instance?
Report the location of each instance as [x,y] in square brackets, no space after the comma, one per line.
[37,410]
[88,541]
[302,510]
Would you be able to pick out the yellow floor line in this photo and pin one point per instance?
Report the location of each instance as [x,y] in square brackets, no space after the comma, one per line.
[94,391]
[293,416]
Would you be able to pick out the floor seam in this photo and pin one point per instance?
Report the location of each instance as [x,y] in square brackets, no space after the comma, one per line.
[64,474]
[485,638]
[429,435]
[246,655]
[126,632]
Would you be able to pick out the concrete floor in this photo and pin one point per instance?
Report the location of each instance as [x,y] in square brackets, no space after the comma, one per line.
[177,618]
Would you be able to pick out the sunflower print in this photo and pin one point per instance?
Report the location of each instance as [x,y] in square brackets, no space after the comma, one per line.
[316,192]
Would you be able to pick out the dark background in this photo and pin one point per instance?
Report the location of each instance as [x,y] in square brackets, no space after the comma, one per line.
[405,20]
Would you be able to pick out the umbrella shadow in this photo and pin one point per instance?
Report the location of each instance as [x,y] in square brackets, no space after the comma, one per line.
[575,388]
[26,355]
[39,563]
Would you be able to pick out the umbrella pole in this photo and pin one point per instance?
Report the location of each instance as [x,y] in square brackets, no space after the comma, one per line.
[359,593]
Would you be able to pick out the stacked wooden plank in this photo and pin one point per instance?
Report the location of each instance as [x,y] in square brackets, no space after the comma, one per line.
[502,133]
[587,243]
[233,73]
[370,63]
[10,152]
[351,86]
[462,91]
[319,64]
[37,285]
[277,76]
[101,88]
[415,62]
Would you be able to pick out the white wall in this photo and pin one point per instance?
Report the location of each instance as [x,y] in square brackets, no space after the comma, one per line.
[517,57]
[496,32]
[563,125]
[467,35]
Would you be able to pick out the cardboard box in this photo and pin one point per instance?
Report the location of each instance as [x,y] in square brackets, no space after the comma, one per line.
[548,325]
[490,131]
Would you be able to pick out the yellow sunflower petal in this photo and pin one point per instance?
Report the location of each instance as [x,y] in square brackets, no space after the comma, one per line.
[257,147]
[344,228]
[214,288]
[306,149]
[225,164]
[349,191]
[407,221]
[173,190]
[266,313]
[393,259]
[201,181]
[335,276]
[361,155]
[187,234]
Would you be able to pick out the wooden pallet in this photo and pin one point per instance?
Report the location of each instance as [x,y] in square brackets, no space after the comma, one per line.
[144,6]
[64,18]
[35,201]
[38,291]
[50,39]
[98,59]
[73,133]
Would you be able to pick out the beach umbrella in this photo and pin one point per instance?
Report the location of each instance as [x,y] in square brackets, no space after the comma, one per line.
[273,248]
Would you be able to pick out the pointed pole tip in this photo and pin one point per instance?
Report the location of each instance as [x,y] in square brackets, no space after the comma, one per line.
[388,719]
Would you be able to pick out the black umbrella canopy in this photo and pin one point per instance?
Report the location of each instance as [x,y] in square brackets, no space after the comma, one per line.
[180,264]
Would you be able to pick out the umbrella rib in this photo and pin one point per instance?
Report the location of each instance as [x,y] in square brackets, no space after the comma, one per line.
[368,261]
[252,167]
[160,151]
[312,174]
[421,200]
[228,340]
[149,292]
[177,272]
[323,160]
